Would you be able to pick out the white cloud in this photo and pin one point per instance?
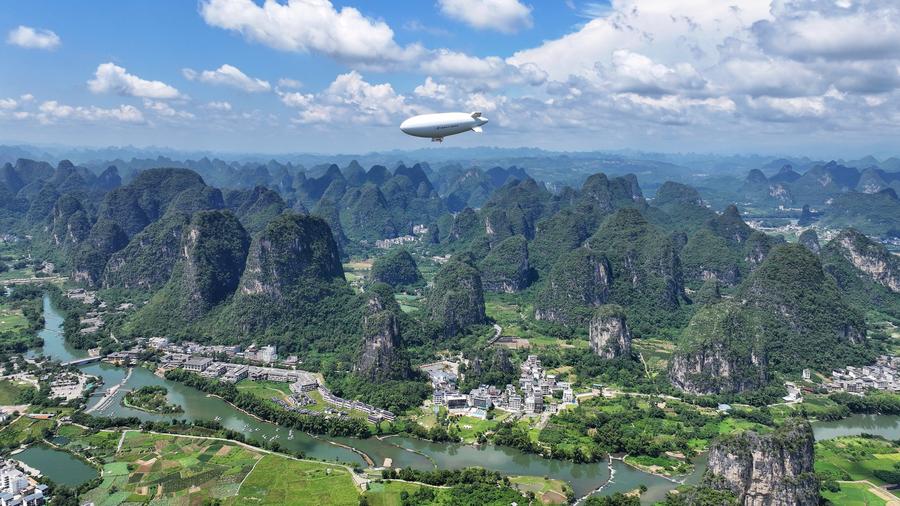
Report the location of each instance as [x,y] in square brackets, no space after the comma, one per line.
[813,31]
[296,99]
[51,111]
[662,30]
[289,84]
[431,89]
[27,97]
[8,104]
[218,106]
[165,110]
[310,26]
[481,73]
[351,99]
[111,78]
[33,38]
[635,73]
[228,75]
[507,16]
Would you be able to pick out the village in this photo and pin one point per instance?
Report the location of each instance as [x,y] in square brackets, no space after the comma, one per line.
[534,384]
[883,375]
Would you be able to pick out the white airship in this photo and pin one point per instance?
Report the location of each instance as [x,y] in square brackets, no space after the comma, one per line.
[440,125]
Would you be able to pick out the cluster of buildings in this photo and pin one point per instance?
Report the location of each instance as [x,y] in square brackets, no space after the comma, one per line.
[262,354]
[301,382]
[93,320]
[534,385]
[373,414]
[18,488]
[883,375]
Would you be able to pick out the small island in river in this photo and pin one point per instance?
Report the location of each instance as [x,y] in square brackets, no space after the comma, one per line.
[151,399]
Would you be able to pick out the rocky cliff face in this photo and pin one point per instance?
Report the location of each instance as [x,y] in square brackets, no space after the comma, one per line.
[457,298]
[767,470]
[506,269]
[810,240]
[579,282]
[213,250]
[721,351]
[869,257]
[609,335]
[381,335]
[147,261]
[293,252]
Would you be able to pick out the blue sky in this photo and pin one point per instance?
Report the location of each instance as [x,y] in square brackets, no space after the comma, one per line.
[792,76]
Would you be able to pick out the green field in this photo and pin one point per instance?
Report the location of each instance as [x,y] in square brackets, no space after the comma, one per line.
[388,493]
[22,430]
[469,427]
[9,392]
[12,320]
[547,490]
[854,494]
[277,480]
[165,469]
[856,458]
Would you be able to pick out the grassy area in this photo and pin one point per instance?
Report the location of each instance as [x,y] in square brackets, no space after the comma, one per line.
[265,390]
[656,352]
[856,458]
[388,493]
[9,391]
[547,490]
[854,494]
[660,465]
[165,469]
[23,430]
[469,427]
[733,425]
[277,480]
[12,320]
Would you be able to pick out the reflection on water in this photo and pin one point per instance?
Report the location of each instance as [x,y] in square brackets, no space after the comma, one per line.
[886,426]
[59,466]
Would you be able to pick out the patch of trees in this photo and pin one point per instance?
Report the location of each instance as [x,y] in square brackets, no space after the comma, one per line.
[256,406]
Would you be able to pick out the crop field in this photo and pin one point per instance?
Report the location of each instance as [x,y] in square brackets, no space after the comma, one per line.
[277,480]
[9,391]
[12,320]
[23,429]
[172,470]
[854,494]
[857,458]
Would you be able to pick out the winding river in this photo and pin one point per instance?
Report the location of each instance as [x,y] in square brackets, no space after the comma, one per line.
[403,451]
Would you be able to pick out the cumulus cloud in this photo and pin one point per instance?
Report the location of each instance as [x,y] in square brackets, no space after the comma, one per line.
[8,104]
[635,73]
[222,106]
[805,31]
[289,84]
[111,78]
[165,110]
[52,111]
[507,16]
[228,75]
[33,38]
[310,26]
[488,72]
[350,99]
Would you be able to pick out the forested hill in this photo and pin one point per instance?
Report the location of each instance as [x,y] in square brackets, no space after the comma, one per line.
[263,261]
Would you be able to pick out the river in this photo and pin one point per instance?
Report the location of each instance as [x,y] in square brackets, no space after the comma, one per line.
[403,451]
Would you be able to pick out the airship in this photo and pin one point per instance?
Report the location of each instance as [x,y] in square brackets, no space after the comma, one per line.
[440,125]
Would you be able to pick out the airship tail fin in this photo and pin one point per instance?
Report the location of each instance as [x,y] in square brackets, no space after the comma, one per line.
[477,129]
[476,114]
